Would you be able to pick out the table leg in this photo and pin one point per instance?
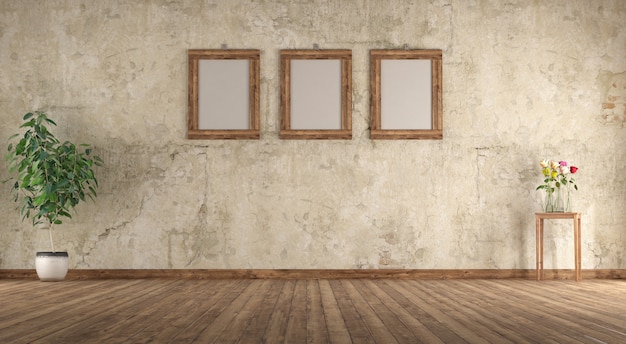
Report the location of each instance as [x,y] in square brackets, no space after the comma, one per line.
[577,248]
[539,247]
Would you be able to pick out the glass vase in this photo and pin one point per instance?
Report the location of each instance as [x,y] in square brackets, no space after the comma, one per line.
[568,201]
[549,204]
[559,204]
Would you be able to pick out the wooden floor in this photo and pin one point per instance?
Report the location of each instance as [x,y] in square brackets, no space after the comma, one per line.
[313,311]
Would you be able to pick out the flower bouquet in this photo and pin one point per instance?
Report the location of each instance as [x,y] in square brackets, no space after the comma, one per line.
[557,175]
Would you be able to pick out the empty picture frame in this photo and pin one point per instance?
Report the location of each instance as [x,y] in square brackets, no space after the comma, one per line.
[223,94]
[406,94]
[316,94]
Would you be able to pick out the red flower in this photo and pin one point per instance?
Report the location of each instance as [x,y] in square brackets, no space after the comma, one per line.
[573,169]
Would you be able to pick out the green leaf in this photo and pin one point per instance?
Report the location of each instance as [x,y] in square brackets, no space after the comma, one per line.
[50,177]
[50,121]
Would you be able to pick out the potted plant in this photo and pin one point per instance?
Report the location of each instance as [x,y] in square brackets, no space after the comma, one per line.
[51,178]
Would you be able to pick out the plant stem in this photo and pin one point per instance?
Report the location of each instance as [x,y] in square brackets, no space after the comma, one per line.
[50,232]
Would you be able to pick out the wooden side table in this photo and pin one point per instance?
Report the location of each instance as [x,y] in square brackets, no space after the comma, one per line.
[539,217]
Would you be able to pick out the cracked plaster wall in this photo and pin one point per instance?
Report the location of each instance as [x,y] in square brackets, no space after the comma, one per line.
[523,81]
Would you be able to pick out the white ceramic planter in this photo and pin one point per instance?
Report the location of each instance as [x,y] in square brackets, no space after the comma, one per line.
[51,266]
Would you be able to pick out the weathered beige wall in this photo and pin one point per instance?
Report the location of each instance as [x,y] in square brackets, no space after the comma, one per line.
[523,81]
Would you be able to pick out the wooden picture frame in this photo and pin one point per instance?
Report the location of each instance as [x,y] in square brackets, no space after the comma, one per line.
[406,94]
[223,94]
[316,94]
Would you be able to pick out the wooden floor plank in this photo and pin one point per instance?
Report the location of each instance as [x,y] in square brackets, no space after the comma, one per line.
[436,323]
[59,292]
[54,315]
[404,326]
[186,317]
[496,301]
[277,325]
[258,324]
[243,312]
[358,329]
[116,324]
[379,331]
[529,304]
[316,330]
[478,306]
[414,321]
[202,298]
[587,304]
[549,301]
[211,324]
[440,312]
[296,331]
[544,304]
[337,329]
[152,311]
[313,311]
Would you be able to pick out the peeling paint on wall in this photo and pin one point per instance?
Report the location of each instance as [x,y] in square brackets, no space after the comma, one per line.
[614,104]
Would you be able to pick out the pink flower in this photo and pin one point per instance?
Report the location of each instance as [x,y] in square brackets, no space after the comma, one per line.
[563,163]
[573,169]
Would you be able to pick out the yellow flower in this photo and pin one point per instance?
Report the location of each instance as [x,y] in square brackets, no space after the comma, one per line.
[554,174]
[546,171]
